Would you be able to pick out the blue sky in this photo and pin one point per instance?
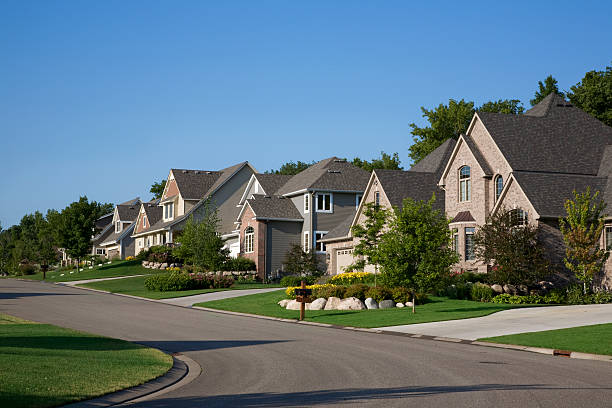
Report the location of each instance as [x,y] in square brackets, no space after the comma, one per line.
[103,98]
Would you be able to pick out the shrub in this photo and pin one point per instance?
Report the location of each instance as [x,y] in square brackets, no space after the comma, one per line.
[176,281]
[481,292]
[575,296]
[471,277]
[358,291]
[601,297]
[161,254]
[299,262]
[293,280]
[316,290]
[401,295]
[27,269]
[378,293]
[459,291]
[240,263]
[246,279]
[351,278]
[422,298]
[328,290]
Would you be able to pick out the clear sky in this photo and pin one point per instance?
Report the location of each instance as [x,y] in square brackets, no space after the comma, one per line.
[102,98]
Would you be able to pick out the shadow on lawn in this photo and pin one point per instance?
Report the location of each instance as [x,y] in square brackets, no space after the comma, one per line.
[118,265]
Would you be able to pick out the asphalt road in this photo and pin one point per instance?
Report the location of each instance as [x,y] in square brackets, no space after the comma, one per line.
[250,362]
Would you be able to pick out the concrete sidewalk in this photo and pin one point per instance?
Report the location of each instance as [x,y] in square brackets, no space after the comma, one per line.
[73,283]
[205,297]
[513,321]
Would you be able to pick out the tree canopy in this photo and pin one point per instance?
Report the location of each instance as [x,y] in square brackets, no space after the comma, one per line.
[157,189]
[385,161]
[594,94]
[544,89]
[291,168]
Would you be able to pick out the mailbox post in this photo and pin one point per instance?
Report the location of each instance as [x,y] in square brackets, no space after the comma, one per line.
[302,295]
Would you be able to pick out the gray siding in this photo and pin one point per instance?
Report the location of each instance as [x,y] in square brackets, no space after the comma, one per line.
[129,246]
[280,236]
[344,205]
[298,201]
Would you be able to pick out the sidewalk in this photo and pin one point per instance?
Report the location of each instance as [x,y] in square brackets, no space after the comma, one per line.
[205,297]
[513,321]
[73,283]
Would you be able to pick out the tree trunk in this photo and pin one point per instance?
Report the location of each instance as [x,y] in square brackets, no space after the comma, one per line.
[413,301]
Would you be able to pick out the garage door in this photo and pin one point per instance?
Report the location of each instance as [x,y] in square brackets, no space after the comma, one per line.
[344,257]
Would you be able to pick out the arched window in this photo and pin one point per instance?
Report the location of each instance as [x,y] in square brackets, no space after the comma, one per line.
[249,235]
[499,186]
[465,187]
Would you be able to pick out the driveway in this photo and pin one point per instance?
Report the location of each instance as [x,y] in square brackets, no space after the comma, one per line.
[513,321]
[250,362]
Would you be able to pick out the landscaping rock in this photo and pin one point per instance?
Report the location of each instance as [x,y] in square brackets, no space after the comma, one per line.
[510,289]
[408,304]
[400,305]
[386,304]
[283,303]
[371,303]
[163,266]
[156,265]
[497,288]
[351,303]
[523,289]
[293,305]
[318,304]
[227,274]
[332,303]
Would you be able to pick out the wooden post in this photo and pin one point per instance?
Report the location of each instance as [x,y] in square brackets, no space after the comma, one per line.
[302,303]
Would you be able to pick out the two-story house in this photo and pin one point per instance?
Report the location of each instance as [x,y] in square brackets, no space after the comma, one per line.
[111,226]
[184,196]
[301,211]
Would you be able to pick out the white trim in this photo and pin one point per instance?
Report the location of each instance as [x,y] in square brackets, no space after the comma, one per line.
[331,202]
[307,202]
[246,190]
[316,242]
[306,241]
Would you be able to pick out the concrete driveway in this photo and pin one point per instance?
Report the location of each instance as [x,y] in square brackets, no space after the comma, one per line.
[513,321]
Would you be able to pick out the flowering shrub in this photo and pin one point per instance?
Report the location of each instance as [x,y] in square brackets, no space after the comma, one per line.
[290,291]
[130,258]
[175,281]
[173,269]
[350,278]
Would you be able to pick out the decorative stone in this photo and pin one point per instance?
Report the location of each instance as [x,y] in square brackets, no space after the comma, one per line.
[523,289]
[318,304]
[351,303]
[371,303]
[163,266]
[400,305]
[408,304]
[511,289]
[497,288]
[293,305]
[283,303]
[386,304]
[332,303]
[227,274]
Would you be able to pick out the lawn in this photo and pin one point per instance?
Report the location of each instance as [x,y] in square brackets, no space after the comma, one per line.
[438,309]
[117,268]
[43,365]
[135,287]
[596,339]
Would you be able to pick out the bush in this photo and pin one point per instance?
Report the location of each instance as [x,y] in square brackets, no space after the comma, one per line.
[481,292]
[351,278]
[401,295]
[421,298]
[459,291]
[471,277]
[240,264]
[575,296]
[27,269]
[161,254]
[601,297]
[378,293]
[177,281]
[328,290]
[358,291]
[316,290]
[246,279]
[293,280]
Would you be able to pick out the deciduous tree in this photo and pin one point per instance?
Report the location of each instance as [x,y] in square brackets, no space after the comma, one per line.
[386,161]
[594,94]
[157,189]
[544,89]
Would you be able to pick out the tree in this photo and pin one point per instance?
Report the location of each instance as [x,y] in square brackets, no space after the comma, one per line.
[508,106]
[368,237]
[415,252]
[544,89]
[200,244]
[581,231]
[594,95]
[157,189]
[512,247]
[291,168]
[386,161]
[301,263]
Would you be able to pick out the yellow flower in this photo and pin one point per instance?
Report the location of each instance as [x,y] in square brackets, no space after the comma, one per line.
[290,291]
[349,278]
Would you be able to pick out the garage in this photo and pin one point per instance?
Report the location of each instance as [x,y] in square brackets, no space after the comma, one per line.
[344,257]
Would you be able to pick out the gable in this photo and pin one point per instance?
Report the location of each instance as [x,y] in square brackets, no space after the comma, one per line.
[463,156]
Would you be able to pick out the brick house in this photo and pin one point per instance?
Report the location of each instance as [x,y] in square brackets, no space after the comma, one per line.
[300,209]
[184,196]
[528,163]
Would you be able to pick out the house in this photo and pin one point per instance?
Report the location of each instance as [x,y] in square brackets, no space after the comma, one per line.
[184,196]
[115,241]
[103,228]
[528,163]
[300,209]
[388,188]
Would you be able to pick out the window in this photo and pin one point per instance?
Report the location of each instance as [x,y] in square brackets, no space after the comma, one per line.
[456,240]
[306,241]
[249,235]
[609,238]
[100,251]
[168,211]
[144,222]
[465,188]
[320,246]
[324,202]
[118,226]
[358,198]
[148,242]
[469,244]
[499,186]
[306,202]
[377,198]
[518,217]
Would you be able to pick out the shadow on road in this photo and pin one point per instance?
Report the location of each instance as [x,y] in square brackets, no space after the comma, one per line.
[200,345]
[11,296]
[340,396]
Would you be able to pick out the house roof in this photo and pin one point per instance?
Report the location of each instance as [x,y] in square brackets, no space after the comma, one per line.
[128,212]
[194,184]
[332,174]
[341,230]
[399,184]
[104,220]
[553,136]
[117,236]
[435,162]
[548,192]
[105,232]
[273,207]
[134,201]
[272,182]
[463,216]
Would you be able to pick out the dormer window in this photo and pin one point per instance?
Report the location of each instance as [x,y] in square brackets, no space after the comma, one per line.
[118,227]
[465,185]
[499,186]
[324,202]
[306,202]
[168,211]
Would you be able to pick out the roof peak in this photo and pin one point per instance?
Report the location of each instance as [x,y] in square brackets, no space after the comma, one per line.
[546,105]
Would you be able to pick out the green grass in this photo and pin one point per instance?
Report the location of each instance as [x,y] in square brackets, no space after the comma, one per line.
[117,268]
[43,365]
[596,339]
[439,309]
[135,287]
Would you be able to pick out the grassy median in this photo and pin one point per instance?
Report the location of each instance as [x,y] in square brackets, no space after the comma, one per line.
[43,365]
[596,339]
[440,308]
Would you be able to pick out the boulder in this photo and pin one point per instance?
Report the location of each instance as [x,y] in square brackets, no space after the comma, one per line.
[156,265]
[283,303]
[293,305]
[163,266]
[351,303]
[497,288]
[227,274]
[400,305]
[371,303]
[408,304]
[318,304]
[510,289]
[332,303]
[523,289]
[386,304]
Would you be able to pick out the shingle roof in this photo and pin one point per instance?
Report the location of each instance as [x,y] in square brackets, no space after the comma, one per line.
[482,162]
[547,192]
[331,174]
[128,212]
[463,216]
[104,220]
[134,201]
[341,230]
[194,184]
[399,184]
[105,232]
[115,236]
[553,137]
[266,207]
[272,182]
[435,162]
[154,214]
